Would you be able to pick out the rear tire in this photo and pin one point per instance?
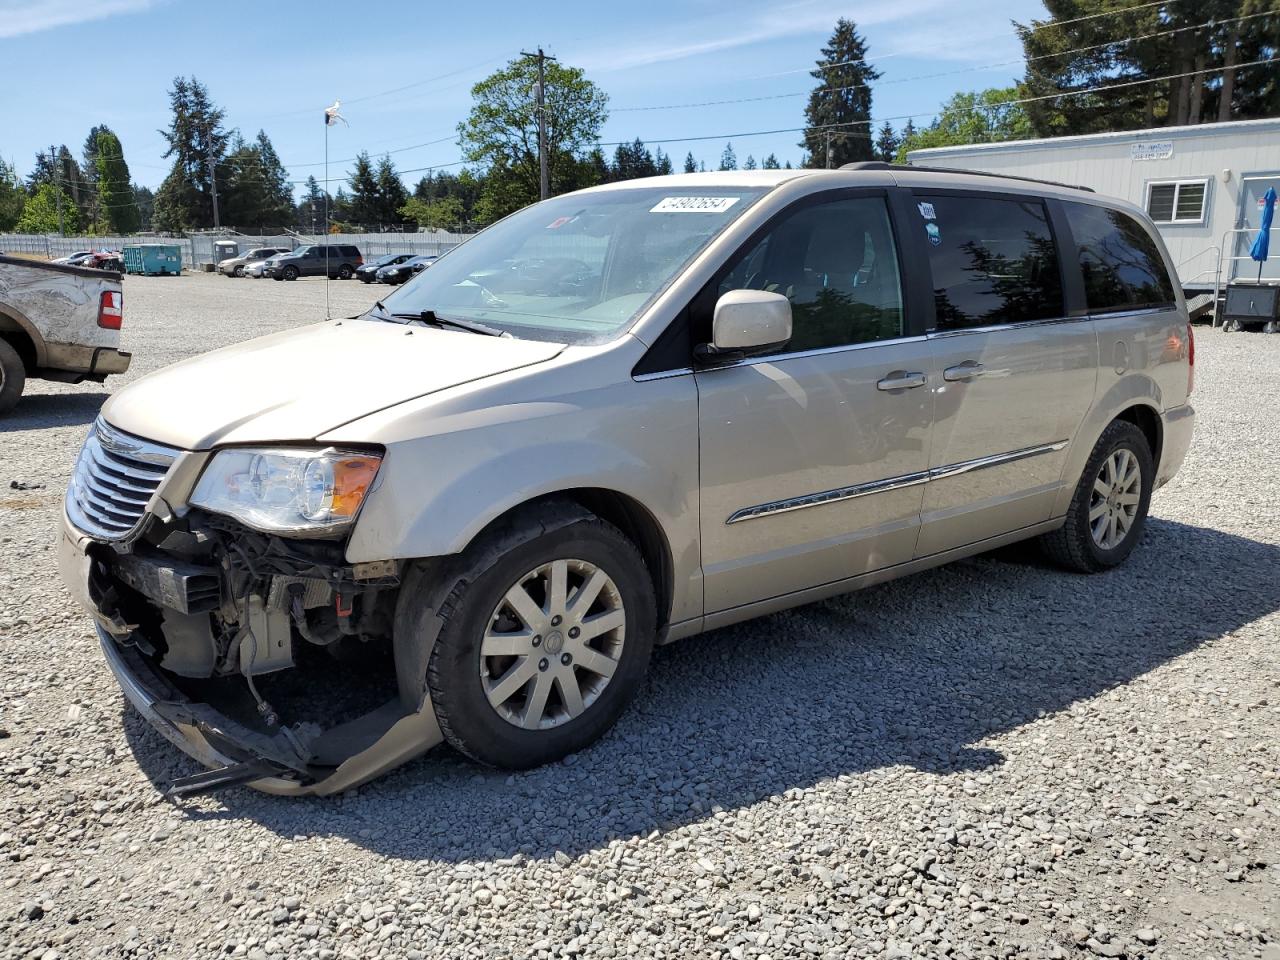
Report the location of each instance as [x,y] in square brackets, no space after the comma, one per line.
[344,272]
[518,689]
[1109,509]
[13,377]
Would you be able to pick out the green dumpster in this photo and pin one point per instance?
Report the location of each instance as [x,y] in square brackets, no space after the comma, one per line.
[152,259]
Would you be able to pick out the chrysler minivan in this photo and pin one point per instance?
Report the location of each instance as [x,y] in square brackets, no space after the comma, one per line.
[617,418]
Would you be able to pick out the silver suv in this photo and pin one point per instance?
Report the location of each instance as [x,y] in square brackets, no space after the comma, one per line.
[617,418]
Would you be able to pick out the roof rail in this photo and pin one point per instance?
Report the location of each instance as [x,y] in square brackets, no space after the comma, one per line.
[881,165]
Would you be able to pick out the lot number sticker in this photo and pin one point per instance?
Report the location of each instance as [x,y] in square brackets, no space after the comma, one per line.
[694,204]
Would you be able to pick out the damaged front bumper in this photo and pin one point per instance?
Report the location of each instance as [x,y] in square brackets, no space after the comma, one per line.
[337,759]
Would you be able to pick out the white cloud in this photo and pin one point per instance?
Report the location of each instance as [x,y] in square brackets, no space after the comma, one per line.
[20,17]
[700,37]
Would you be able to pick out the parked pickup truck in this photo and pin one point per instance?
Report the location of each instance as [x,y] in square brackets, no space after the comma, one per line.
[57,322]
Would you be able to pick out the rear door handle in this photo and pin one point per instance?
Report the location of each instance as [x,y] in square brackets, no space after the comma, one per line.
[902,380]
[963,372]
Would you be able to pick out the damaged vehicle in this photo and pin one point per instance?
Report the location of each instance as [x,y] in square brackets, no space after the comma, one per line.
[617,418]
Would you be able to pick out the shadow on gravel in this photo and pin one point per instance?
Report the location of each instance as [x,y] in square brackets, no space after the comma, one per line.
[914,673]
[38,410]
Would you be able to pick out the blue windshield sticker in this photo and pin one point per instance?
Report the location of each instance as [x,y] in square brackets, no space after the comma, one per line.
[935,235]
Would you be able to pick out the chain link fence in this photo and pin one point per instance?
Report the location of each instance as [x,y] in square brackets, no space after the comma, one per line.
[198,249]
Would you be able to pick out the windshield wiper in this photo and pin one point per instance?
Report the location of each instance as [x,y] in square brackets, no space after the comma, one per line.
[432,319]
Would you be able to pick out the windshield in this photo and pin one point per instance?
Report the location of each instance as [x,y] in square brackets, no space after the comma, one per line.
[578,268]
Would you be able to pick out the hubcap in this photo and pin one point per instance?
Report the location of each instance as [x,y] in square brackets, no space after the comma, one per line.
[1113,505]
[552,644]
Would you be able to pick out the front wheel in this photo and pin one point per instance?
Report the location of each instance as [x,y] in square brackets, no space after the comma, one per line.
[238,271]
[290,273]
[543,643]
[1109,509]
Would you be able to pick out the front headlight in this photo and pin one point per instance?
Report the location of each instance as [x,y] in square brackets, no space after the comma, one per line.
[278,490]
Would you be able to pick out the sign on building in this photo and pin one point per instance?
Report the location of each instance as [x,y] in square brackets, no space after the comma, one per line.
[1152,150]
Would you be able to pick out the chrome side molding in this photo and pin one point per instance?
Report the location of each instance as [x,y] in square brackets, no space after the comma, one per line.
[890,483]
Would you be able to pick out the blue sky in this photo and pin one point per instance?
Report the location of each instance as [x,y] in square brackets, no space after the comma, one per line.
[275,64]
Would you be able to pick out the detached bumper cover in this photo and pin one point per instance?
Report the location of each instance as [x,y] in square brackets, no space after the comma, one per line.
[214,740]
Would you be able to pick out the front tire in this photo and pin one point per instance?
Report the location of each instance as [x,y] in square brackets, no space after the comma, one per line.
[290,273]
[13,377]
[238,271]
[543,641]
[1109,509]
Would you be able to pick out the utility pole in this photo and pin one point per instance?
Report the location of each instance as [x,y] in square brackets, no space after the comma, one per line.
[213,180]
[828,149]
[544,174]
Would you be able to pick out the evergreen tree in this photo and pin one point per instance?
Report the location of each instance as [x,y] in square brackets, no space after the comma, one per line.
[750,164]
[115,208]
[363,206]
[770,162]
[277,191]
[690,166]
[145,201]
[45,169]
[391,193]
[196,138]
[310,211]
[661,162]
[1197,45]
[633,160]
[728,159]
[887,143]
[841,104]
[12,196]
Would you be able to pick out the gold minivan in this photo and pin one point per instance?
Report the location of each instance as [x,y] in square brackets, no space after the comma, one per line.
[616,418]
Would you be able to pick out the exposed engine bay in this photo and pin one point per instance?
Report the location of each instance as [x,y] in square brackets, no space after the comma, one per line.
[278,652]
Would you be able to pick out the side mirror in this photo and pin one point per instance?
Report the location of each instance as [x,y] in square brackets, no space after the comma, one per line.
[747,322]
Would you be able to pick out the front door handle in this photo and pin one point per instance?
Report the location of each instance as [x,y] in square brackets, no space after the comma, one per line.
[902,380]
[963,372]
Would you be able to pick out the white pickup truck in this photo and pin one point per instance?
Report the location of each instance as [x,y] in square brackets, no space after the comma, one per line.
[57,322]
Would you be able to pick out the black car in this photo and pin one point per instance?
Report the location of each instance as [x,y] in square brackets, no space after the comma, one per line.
[369,272]
[339,260]
[401,272]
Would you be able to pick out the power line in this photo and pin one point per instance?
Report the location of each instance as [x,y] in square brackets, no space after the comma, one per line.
[946,73]
[1043,25]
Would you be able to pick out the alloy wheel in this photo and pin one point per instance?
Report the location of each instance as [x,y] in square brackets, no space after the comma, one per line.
[552,644]
[1113,504]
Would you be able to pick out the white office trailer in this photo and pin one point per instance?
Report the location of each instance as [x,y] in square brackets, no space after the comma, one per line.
[1202,185]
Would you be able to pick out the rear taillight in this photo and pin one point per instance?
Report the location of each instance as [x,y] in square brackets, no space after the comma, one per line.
[111,309]
[1191,359]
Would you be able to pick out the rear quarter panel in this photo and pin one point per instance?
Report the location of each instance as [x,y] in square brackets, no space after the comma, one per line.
[57,305]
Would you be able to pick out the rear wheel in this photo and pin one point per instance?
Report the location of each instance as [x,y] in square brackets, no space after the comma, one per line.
[13,376]
[345,271]
[543,643]
[1109,509]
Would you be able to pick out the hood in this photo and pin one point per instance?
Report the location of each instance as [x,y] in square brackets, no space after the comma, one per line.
[302,383]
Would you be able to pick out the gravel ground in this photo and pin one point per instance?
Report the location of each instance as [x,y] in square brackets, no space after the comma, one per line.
[995,759]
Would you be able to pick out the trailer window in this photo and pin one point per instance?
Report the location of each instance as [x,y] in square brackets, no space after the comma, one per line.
[1120,261]
[1178,202]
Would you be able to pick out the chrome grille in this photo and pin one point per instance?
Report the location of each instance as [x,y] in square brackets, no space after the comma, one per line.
[115,477]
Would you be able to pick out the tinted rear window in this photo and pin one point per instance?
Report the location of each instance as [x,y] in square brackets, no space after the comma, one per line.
[993,260]
[1121,264]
